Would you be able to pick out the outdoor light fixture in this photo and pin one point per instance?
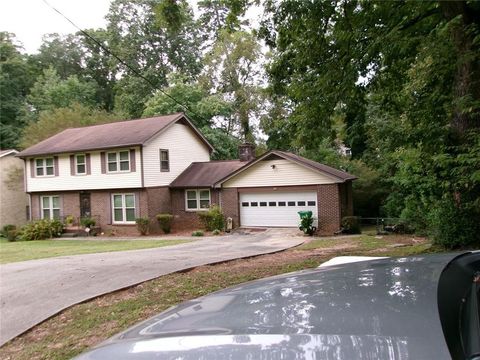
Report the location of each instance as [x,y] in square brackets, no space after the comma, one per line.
[272,166]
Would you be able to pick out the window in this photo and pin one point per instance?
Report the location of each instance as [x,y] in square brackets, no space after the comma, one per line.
[245,204]
[80,164]
[50,207]
[291,203]
[123,206]
[44,167]
[164,161]
[282,203]
[301,203]
[254,203]
[311,203]
[118,161]
[272,203]
[263,203]
[197,199]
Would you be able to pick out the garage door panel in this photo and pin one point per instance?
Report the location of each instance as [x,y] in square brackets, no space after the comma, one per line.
[272,214]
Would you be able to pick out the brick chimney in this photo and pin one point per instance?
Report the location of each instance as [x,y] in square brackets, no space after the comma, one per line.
[246,152]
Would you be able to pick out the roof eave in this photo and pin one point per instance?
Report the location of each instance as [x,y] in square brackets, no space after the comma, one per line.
[24,156]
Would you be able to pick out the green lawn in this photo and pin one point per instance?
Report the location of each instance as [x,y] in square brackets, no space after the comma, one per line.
[30,250]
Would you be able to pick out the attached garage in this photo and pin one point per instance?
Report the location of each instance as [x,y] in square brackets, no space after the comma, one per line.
[276,208]
[270,191]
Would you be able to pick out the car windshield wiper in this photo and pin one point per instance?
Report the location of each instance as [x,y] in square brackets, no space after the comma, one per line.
[470,326]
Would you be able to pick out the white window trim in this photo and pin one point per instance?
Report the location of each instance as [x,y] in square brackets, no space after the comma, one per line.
[44,166]
[117,160]
[50,208]
[85,164]
[124,209]
[197,193]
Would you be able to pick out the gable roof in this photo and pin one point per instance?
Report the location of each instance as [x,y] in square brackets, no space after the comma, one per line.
[111,135]
[205,174]
[338,176]
[7,152]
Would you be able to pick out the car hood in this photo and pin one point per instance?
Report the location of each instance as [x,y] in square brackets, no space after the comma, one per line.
[385,308]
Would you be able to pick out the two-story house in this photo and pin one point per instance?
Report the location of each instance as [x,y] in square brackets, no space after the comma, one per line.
[119,171]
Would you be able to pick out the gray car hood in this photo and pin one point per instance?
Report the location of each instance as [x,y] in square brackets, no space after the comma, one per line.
[380,309]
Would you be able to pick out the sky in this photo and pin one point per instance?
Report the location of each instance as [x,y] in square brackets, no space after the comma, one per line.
[31,19]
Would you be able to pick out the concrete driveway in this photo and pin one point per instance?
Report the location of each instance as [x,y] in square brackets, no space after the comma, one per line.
[33,291]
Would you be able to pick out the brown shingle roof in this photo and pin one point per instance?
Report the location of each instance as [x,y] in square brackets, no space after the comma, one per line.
[7,152]
[205,174]
[105,136]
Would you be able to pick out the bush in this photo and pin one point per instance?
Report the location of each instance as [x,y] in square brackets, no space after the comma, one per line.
[87,222]
[41,230]
[143,224]
[69,220]
[165,221]
[351,225]
[212,219]
[216,232]
[10,232]
[197,233]
[454,226]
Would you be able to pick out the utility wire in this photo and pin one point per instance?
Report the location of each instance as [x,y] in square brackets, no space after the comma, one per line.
[123,62]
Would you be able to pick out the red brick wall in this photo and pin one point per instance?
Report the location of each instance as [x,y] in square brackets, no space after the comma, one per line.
[187,220]
[230,205]
[159,202]
[100,208]
[329,209]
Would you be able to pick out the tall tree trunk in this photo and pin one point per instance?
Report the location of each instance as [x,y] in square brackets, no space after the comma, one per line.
[467,77]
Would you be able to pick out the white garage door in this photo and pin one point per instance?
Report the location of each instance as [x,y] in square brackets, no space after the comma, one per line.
[276,208]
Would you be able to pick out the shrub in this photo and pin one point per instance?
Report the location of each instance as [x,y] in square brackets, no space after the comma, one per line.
[454,226]
[41,230]
[87,222]
[143,224]
[351,225]
[69,220]
[165,221]
[212,219]
[216,232]
[10,232]
[197,233]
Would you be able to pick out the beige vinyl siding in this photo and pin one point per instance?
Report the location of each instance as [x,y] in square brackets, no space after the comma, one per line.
[284,173]
[184,147]
[96,180]
[13,200]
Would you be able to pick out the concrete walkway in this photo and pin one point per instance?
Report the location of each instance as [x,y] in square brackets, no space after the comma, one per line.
[32,291]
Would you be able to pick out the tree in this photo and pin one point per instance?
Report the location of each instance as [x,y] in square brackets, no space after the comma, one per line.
[53,121]
[50,92]
[64,53]
[15,80]
[149,50]
[206,111]
[405,74]
[233,69]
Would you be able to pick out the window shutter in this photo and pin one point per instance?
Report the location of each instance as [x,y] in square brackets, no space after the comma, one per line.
[72,165]
[133,166]
[60,198]
[89,166]
[55,164]
[32,168]
[102,162]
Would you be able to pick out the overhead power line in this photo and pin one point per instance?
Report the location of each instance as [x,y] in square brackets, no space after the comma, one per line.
[123,62]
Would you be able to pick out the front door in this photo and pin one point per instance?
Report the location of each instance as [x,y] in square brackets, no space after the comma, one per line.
[85,210]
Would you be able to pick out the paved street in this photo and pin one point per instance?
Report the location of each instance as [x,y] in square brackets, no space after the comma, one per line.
[32,291]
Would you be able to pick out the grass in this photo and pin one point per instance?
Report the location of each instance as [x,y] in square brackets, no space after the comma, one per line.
[85,325]
[30,250]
